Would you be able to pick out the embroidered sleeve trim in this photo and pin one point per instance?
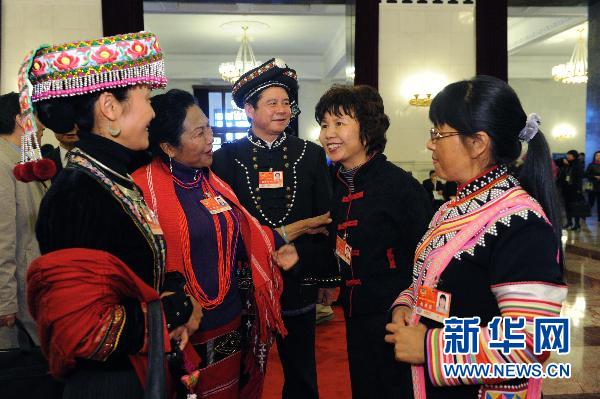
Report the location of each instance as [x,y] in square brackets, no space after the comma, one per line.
[515,300]
[406,298]
[108,336]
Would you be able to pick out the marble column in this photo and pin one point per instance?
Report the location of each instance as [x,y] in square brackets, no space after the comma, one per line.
[366,50]
[129,17]
[592,130]
[491,42]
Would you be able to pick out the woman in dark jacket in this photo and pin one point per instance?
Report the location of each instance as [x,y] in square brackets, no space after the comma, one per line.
[492,252]
[593,174]
[379,213]
[572,190]
[95,291]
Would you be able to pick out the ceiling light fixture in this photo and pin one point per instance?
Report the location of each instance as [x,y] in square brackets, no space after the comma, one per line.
[574,71]
[244,61]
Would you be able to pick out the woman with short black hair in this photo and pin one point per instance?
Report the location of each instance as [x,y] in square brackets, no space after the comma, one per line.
[379,213]
[492,252]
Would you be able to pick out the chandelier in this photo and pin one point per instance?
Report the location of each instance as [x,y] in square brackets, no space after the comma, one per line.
[574,71]
[244,61]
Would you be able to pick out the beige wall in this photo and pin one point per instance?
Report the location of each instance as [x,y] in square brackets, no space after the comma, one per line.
[556,104]
[28,23]
[420,46]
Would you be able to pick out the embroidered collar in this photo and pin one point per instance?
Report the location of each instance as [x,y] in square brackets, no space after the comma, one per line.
[352,170]
[110,153]
[258,142]
[134,206]
[482,190]
[481,182]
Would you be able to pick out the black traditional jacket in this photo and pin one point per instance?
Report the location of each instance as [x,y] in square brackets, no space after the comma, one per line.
[511,267]
[306,192]
[80,212]
[382,220]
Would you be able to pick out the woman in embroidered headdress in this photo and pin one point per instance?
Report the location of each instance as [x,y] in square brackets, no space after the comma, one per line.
[209,235]
[379,214]
[95,291]
[493,251]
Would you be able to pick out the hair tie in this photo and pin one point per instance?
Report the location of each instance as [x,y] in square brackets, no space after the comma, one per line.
[532,126]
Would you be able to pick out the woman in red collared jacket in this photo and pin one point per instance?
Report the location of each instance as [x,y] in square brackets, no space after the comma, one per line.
[379,213]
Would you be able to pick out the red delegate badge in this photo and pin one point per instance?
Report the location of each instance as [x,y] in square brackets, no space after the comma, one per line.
[433,304]
[215,204]
[270,179]
[343,250]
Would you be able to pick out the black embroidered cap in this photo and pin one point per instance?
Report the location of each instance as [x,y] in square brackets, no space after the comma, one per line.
[274,72]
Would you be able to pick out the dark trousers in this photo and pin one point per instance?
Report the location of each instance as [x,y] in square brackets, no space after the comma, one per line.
[374,373]
[297,354]
[103,384]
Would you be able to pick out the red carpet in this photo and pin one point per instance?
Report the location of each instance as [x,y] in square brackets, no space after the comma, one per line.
[332,362]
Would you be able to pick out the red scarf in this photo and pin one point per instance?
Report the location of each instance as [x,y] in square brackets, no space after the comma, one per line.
[156,182]
[74,297]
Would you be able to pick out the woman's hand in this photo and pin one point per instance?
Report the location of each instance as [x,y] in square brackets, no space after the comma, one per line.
[314,225]
[318,224]
[181,336]
[285,257]
[193,323]
[408,341]
[401,315]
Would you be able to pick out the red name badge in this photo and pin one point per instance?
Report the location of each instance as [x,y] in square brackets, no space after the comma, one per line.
[433,304]
[343,250]
[270,179]
[216,204]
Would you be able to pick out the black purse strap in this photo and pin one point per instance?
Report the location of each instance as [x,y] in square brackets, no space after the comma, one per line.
[156,376]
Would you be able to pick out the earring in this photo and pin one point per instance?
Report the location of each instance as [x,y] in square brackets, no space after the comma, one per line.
[170,165]
[113,132]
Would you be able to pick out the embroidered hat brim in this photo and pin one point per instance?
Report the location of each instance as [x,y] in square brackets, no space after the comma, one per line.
[83,67]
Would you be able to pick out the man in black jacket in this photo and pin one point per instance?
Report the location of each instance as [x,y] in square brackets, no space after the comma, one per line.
[281,179]
[435,190]
[66,142]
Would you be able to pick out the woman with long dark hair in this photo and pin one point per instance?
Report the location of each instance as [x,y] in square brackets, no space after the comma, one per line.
[493,251]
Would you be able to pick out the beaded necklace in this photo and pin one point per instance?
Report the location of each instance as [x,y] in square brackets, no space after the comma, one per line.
[225,256]
[193,184]
[255,192]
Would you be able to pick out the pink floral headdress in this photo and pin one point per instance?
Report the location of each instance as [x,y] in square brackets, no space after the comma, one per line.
[78,68]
